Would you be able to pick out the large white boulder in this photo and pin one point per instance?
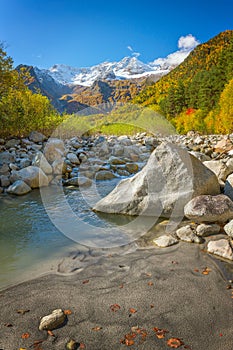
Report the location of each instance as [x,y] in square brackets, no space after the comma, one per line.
[169,180]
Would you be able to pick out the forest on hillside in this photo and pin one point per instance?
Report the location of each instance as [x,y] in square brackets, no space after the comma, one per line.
[198,93]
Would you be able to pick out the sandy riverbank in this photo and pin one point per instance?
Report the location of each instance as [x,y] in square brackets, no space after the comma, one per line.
[166,287]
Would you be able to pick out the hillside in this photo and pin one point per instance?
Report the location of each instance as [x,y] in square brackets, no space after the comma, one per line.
[193,95]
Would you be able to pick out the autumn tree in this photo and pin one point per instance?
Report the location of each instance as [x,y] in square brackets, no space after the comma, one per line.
[21,111]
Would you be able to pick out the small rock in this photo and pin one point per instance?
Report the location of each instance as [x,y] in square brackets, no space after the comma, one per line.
[122,172]
[205,230]
[221,247]
[36,136]
[73,158]
[19,188]
[207,208]
[116,161]
[187,234]
[52,321]
[228,228]
[165,241]
[72,345]
[132,168]
[79,181]
[220,169]
[104,175]
[118,150]
[54,149]
[7,157]
[12,143]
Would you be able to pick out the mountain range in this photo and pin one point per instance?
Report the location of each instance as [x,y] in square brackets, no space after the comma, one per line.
[72,89]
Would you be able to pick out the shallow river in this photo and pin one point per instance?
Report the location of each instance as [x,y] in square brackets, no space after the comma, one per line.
[38,229]
[29,241]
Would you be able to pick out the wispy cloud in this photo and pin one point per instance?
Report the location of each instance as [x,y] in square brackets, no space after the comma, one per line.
[133,53]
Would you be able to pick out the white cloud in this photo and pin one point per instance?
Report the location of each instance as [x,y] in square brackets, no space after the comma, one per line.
[187,42]
[130,48]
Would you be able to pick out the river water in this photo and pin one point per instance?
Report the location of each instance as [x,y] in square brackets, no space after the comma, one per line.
[37,230]
[29,241]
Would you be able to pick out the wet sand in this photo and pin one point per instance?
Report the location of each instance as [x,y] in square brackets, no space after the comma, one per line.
[166,287]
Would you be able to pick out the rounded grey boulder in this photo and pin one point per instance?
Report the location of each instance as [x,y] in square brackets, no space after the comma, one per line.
[19,188]
[208,208]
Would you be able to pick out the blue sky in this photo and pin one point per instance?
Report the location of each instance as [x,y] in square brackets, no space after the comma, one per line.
[87,32]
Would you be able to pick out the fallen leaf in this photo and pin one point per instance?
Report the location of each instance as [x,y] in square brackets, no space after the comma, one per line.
[148,274]
[97,328]
[8,325]
[150,283]
[187,347]
[22,349]
[82,346]
[132,310]
[196,270]
[160,333]
[121,286]
[50,333]
[67,312]
[152,306]
[206,271]
[174,343]
[143,334]
[130,336]
[25,335]
[85,281]
[115,307]
[22,312]
[129,342]
[220,334]
[135,329]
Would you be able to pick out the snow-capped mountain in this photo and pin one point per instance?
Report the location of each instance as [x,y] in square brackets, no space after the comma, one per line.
[127,68]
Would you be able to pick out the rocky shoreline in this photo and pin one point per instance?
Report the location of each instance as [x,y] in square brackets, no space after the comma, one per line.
[35,162]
